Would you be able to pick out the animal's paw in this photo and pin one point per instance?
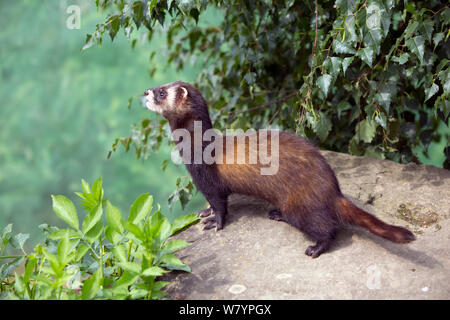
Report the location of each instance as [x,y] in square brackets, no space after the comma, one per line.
[317,250]
[212,222]
[205,212]
[276,215]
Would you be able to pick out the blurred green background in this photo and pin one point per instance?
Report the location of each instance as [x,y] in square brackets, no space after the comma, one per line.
[61,109]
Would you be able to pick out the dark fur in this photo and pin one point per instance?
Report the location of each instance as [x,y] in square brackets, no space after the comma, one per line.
[305,189]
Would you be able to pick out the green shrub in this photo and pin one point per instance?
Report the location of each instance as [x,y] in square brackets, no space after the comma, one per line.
[106,257]
[368,77]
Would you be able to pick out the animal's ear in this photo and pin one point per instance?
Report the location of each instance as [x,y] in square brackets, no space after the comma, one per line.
[184,92]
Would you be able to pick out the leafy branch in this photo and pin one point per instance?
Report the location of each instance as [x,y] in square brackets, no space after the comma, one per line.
[122,259]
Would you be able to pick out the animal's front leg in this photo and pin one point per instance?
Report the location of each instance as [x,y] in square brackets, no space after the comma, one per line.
[219,208]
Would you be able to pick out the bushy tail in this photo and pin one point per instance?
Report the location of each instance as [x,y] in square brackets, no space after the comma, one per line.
[353,215]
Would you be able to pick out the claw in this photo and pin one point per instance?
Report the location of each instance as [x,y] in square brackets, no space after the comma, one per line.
[212,222]
[205,212]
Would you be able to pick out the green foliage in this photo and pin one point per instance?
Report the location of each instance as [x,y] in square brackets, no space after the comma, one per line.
[369,77]
[61,108]
[114,259]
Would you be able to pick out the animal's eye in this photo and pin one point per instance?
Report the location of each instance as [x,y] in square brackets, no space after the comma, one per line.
[162,94]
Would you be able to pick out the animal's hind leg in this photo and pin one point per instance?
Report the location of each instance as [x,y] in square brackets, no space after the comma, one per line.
[322,227]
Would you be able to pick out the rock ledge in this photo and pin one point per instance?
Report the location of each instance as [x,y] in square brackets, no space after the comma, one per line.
[254,257]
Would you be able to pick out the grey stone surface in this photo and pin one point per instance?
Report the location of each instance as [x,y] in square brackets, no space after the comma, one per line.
[254,257]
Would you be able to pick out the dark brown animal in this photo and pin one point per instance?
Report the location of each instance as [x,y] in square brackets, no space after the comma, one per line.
[304,189]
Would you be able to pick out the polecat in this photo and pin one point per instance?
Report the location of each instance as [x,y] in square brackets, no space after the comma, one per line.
[304,188]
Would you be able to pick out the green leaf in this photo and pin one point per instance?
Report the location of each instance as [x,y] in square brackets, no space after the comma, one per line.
[381,119]
[184,196]
[172,262]
[323,126]
[53,261]
[174,245]
[95,232]
[158,295]
[65,210]
[29,267]
[426,28]
[373,15]
[154,271]
[127,279]
[324,83]
[112,235]
[443,104]
[346,6]
[183,222]
[59,234]
[250,78]
[97,190]
[63,249]
[438,38]
[119,253]
[367,55]
[411,28]
[402,59]
[346,63]
[19,240]
[114,217]
[385,95]
[89,42]
[19,285]
[7,231]
[130,101]
[91,286]
[114,26]
[333,66]
[138,14]
[43,280]
[130,266]
[158,285]
[431,91]
[152,4]
[82,249]
[92,218]
[165,230]
[85,186]
[134,230]
[343,47]
[140,208]
[153,227]
[6,237]
[417,46]
[444,77]
[366,130]
[343,106]
[372,39]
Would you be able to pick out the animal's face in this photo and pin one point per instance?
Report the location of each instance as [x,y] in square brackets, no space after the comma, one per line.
[167,99]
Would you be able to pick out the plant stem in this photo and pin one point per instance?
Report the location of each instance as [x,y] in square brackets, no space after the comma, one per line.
[129,250]
[101,259]
[92,250]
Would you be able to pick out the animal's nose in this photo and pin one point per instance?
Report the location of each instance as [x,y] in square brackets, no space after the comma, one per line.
[146,92]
